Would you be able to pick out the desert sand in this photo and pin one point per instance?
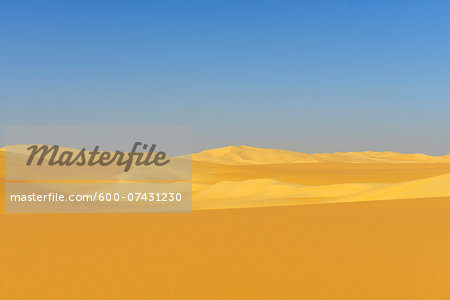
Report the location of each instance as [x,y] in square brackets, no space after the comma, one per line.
[237,177]
[251,236]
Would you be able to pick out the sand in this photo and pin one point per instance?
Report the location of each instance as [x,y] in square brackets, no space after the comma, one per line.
[236,155]
[238,177]
[363,250]
[251,236]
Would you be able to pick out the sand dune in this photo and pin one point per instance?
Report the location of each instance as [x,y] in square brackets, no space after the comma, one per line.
[268,192]
[237,177]
[437,186]
[250,155]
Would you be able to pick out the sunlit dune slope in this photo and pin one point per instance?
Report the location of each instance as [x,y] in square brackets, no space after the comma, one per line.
[437,186]
[267,192]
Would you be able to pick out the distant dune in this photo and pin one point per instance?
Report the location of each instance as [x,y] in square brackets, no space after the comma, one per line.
[327,183]
[239,177]
[250,155]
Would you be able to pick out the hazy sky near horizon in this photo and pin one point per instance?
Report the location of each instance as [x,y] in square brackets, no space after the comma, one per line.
[308,76]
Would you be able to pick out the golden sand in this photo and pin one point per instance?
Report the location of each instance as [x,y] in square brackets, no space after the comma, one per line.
[237,177]
[232,247]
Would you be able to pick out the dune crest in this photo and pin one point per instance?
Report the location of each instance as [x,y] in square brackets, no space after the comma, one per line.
[250,155]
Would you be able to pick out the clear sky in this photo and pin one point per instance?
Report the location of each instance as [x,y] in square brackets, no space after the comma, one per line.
[308,76]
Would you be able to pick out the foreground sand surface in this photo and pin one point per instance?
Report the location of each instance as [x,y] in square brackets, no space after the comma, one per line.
[364,250]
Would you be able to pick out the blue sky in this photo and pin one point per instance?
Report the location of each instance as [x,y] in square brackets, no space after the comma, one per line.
[309,76]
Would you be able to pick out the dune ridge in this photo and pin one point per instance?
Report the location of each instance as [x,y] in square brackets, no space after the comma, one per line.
[238,177]
[251,155]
